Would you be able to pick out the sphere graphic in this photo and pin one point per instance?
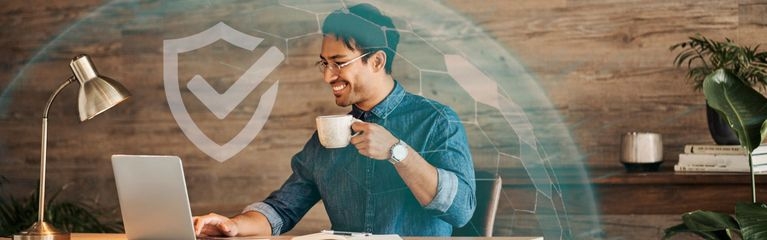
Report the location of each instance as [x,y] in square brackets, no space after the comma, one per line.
[513,129]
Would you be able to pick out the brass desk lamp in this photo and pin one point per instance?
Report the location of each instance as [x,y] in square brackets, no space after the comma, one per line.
[97,94]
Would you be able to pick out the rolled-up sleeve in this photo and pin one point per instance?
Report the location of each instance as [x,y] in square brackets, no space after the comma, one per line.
[447,187]
[455,200]
[267,210]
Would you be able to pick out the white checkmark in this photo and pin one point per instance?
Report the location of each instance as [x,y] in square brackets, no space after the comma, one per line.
[221,104]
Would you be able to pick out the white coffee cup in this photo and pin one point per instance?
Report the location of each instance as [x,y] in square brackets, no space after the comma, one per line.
[335,131]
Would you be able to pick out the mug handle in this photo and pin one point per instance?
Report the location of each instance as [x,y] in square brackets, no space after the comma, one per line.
[350,126]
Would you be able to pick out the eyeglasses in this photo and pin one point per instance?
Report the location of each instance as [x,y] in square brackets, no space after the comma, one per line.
[335,68]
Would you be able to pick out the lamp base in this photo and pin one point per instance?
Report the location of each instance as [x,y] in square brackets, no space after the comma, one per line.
[41,231]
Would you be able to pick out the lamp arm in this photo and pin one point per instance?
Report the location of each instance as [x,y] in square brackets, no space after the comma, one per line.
[56,93]
[43,149]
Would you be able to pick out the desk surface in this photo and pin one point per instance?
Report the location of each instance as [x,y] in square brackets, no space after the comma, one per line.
[100,236]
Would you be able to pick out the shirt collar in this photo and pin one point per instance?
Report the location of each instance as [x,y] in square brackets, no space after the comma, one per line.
[385,107]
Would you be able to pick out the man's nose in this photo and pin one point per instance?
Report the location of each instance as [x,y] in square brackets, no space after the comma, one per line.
[329,76]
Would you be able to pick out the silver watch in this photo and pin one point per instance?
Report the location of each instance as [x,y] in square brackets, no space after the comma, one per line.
[398,152]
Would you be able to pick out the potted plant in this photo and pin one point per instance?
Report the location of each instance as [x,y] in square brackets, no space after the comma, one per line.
[18,214]
[703,56]
[745,110]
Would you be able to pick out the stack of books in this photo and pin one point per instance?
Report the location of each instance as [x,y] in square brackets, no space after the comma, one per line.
[721,158]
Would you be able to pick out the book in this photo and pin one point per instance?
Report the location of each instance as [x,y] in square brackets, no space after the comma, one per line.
[722,159]
[721,169]
[721,149]
[713,149]
[720,162]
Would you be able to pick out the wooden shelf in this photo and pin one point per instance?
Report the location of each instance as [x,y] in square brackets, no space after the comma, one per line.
[663,192]
[606,176]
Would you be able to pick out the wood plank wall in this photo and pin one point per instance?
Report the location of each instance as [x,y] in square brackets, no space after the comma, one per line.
[607,67]
[604,65]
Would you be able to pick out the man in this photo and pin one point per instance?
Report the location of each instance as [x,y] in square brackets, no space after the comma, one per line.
[409,171]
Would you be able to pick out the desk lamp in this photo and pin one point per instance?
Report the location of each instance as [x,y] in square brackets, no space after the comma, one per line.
[97,94]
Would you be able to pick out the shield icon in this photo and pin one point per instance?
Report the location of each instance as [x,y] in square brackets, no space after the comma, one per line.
[220,104]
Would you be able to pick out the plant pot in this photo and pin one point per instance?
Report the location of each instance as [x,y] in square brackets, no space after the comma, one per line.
[719,129]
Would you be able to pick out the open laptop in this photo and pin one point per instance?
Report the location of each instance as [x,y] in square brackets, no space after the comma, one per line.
[153,197]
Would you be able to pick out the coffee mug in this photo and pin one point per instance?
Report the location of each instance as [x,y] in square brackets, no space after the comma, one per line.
[335,131]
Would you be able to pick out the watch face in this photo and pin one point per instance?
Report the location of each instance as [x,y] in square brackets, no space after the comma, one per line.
[399,152]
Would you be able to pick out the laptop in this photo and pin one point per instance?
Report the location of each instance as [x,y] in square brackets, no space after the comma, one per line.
[153,197]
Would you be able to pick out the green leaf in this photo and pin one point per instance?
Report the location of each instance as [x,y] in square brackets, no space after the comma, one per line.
[706,224]
[744,108]
[707,221]
[679,228]
[682,228]
[753,220]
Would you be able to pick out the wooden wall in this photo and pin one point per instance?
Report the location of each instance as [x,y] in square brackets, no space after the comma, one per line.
[604,66]
[607,67]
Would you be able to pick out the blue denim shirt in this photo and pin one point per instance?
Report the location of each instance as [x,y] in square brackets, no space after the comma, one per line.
[366,195]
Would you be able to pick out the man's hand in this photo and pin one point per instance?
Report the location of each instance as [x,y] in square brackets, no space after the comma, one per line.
[214,225]
[374,141]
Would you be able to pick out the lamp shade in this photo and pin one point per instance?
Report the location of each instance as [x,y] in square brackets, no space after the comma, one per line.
[97,93]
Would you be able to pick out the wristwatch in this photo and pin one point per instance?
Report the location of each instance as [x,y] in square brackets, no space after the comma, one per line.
[398,152]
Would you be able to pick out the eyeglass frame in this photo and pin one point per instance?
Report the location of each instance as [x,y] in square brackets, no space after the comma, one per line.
[324,65]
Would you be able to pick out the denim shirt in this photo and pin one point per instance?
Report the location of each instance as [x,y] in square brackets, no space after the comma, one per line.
[366,195]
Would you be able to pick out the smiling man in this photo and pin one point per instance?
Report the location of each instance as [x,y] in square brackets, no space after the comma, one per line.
[409,171]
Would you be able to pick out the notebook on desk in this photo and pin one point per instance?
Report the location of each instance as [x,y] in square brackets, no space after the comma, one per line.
[153,197]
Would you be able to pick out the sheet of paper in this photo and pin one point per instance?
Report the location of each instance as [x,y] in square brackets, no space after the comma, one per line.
[325,236]
[231,238]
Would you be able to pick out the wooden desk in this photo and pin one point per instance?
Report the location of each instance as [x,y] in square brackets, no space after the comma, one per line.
[101,236]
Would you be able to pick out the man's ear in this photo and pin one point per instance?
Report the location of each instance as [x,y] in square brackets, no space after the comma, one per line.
[378,61]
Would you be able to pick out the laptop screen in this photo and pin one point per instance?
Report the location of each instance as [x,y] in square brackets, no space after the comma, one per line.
[153,197]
